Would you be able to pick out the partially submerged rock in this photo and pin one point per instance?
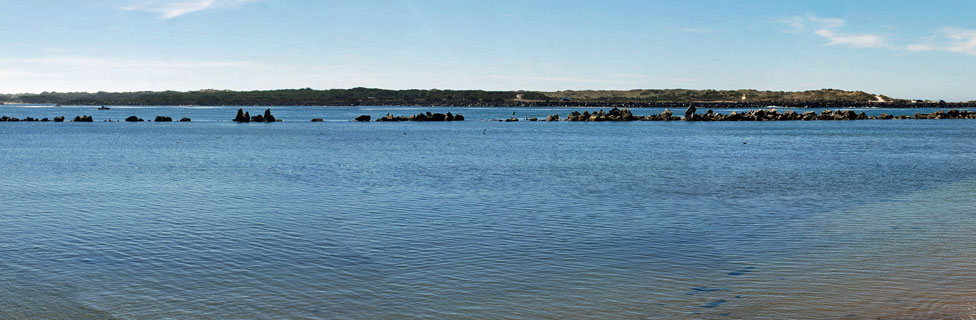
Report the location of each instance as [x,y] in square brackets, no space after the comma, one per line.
[242,117]
[246,117]
[424,116]
[759,115]
[133,119]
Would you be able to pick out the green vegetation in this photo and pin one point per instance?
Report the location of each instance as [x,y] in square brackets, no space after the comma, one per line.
[368,96]
[686,95]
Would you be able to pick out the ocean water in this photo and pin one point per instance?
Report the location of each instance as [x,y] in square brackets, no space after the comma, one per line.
[480,219]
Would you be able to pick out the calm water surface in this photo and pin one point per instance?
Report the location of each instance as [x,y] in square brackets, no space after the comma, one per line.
[479,219]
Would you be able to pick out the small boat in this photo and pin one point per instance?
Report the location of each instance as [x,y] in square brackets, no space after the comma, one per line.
[103,108]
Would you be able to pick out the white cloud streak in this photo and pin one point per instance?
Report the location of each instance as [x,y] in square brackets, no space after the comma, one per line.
[852,40]
[169,9]
[829,29]
[962,40]
[954,40]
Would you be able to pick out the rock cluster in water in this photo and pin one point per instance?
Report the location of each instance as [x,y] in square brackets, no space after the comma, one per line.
[624,114]
[85,118]
[15,119]
[420,117]
[246,117]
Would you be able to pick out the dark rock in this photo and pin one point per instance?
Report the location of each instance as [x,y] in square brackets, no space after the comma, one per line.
[83,119]
[690,113]
[241,117]
[45,120]
[318,120]
[362,118]
[626,115]
[268,117]
[437,117]
[185,119]
[458,117]
[390,117]
[59,119]
[552,117]
[133,119]
[163,119]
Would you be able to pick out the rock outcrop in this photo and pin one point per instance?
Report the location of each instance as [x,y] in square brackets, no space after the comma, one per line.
[242,117]
[246,117]
[771,114]
[363,118]
[163,119]
[185,119]
[83,119]
[133,119]
[426,116]
[391,118]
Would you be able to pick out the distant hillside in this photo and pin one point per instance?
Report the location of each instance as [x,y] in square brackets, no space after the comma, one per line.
[434,97]
[686,95]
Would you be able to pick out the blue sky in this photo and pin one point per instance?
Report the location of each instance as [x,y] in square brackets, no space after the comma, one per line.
[905,49]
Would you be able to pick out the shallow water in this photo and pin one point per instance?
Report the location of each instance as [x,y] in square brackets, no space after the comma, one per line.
[479,219]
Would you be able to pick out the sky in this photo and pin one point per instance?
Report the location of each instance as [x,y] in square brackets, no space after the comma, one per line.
[903,49]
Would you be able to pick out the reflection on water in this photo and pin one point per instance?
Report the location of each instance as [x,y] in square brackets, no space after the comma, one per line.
[479,219]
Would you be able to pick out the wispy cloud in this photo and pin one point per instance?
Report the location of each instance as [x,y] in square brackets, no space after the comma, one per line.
[829,28]
[962,40]
[853,40]
[920,47]
[796,23]
[953,40]
[169,9]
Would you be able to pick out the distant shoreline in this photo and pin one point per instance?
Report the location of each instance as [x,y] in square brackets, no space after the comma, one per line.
[633,105]
[638,98]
